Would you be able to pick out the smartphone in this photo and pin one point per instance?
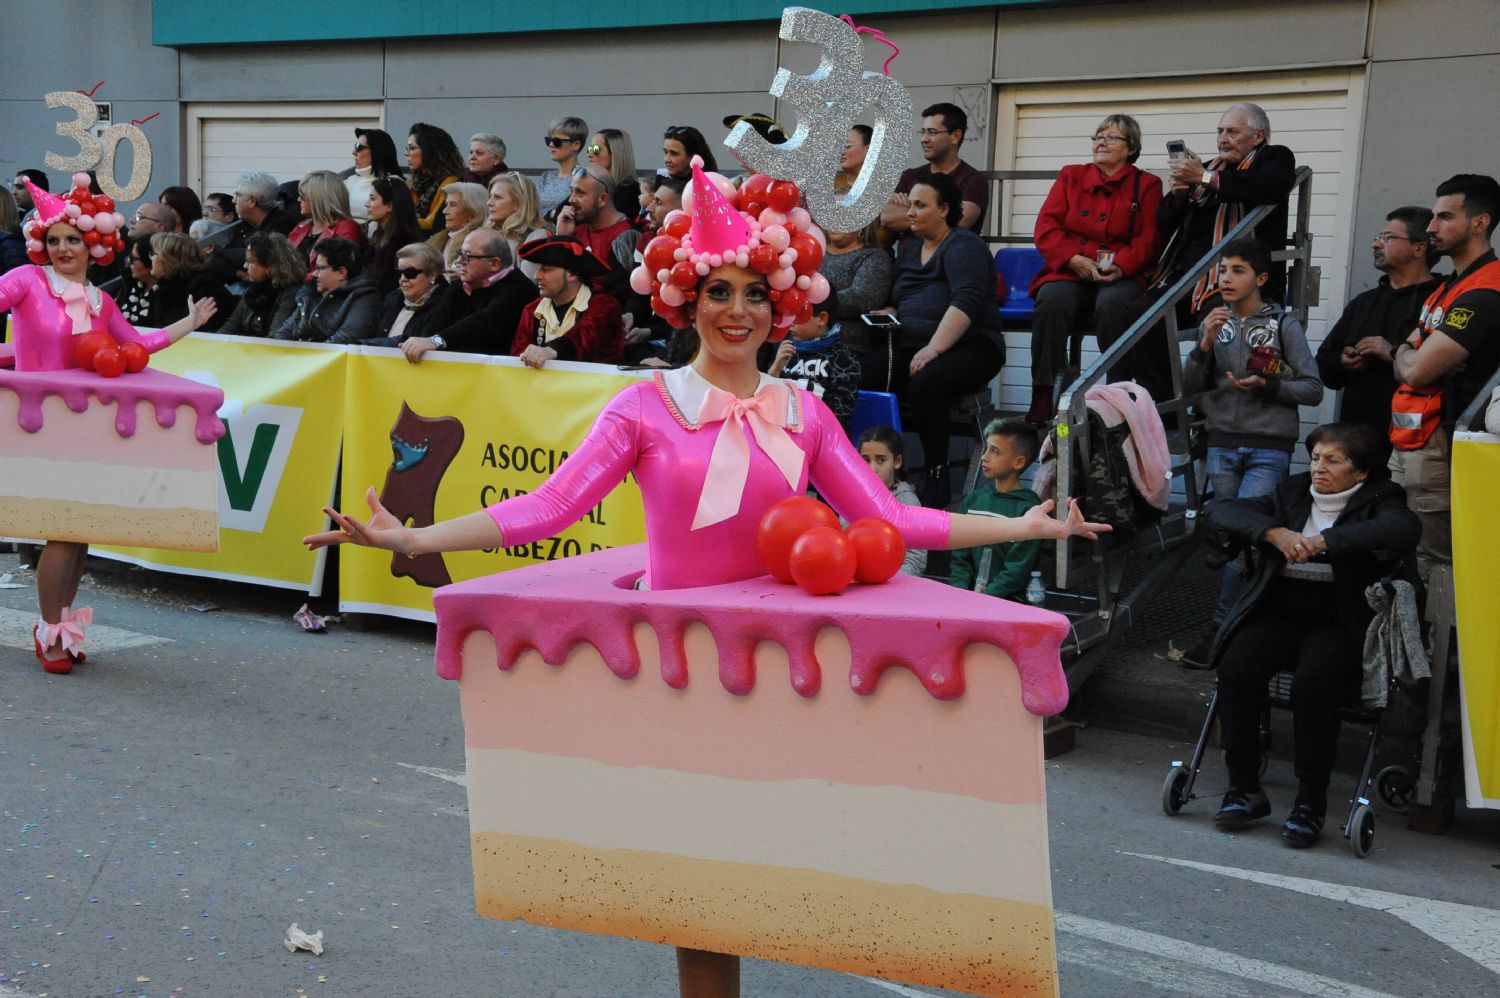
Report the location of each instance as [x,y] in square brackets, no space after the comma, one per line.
[1176,149]
[879,319]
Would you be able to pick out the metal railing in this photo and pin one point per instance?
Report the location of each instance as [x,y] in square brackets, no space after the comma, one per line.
[1072,435]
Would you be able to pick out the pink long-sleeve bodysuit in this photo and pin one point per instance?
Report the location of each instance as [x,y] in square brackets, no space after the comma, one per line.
[642,430]
[42,330]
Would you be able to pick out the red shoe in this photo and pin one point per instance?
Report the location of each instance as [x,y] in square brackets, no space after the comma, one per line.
[57,666]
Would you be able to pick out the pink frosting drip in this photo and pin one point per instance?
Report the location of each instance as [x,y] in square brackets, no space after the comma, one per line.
[915,624]
[75,387]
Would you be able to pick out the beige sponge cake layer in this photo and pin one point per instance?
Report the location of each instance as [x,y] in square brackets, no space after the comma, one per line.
[181,529]
[901,932]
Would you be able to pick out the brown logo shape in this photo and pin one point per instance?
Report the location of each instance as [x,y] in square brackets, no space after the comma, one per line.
[422,447]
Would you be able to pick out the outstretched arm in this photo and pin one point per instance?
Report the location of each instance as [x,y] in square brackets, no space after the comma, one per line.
[473,532]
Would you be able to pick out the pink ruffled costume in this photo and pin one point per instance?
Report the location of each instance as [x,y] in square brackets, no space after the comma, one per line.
[46,312]
[643,430]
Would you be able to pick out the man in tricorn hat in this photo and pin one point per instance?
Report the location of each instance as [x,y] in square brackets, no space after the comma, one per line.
[570,321]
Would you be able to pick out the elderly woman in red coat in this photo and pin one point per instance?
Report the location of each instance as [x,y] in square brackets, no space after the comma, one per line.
[1097,236]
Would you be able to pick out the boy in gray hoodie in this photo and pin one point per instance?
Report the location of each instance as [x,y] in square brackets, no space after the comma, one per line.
[1254,368]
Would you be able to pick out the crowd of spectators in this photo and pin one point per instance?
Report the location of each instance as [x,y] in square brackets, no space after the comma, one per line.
[451,249]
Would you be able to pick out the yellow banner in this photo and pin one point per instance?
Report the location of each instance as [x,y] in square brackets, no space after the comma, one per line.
[1476,581]
[456,434]
[283,410]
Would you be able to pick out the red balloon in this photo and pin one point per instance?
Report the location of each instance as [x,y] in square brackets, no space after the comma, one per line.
[103,202]
[109,362]
[823,561]
[92,237]
[684,275]
[783,196]
[754,208]
[756,187]
[89,344]
[106,259]
[804,314]
[674,314]
[878,548]
[763,259]
[782,524]
[678,226]
[658,255]
[809,253]
[136,357]
[792,300]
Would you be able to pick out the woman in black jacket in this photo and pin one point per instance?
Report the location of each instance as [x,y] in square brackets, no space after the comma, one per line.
[182,272]
[1321,538]
[419,307]
[340,306]
[276,275]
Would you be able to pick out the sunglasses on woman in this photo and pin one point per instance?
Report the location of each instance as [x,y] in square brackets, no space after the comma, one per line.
[595,149]
[556,143]
[410,273]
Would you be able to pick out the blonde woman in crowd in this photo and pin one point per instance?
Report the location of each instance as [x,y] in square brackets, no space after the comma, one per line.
[611,149]
[323,201]
[463,211]
[513,209]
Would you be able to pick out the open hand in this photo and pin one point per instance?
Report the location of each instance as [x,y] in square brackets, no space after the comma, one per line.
[1248,383]
[1041,519]
[382,530]
[201,309]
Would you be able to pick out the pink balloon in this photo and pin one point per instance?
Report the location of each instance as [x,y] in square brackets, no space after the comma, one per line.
[776,237]
[105,222]
[81,180]
[770,217]
[800,218]
[817,290]
[34,246]
[98,251]
[782,278]
[672,294]
[85,223]
[804,282]
[72,211]
[640,281]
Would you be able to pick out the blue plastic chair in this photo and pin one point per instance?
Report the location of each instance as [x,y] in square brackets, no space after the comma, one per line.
[874,409]
[1018,265]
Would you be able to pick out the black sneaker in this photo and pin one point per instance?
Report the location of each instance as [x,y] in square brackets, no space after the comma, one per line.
[1302,828]
[1240,808]
[1199,656]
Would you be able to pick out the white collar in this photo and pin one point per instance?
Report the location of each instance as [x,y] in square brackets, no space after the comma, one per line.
[688,389]
[59,284]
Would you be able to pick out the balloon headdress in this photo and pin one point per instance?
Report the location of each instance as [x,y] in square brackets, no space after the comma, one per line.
[92,214]
[760,226]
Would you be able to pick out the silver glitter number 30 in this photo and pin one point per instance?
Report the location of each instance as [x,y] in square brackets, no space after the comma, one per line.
[828,102]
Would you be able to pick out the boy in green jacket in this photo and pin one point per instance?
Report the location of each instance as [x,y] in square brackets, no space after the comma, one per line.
[1010,447]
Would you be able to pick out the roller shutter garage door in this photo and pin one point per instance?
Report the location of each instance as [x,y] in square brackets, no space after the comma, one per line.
[285,140]
[1317,115]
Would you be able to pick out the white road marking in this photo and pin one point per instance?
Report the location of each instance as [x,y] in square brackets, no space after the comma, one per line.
[899,989]
[452,776]
[1295,981]
[1471,930]
[1170,976]
[16,628]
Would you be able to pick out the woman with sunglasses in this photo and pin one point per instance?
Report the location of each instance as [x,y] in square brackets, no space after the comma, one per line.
[678,147]
[374,157]
[565,140]
[611,149]
[435,163]
[419,305]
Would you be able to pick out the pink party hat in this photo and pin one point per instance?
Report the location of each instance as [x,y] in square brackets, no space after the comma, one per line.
[718,227]
[50,209]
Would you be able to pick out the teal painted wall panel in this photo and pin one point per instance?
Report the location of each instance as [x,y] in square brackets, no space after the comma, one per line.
[197,22]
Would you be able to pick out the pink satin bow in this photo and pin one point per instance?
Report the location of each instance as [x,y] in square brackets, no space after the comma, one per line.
[75,301]
[729,464]
[71,628]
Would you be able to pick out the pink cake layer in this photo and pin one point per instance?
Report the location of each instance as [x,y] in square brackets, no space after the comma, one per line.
[164,392]
[916,624]
[91,436]
[784,736]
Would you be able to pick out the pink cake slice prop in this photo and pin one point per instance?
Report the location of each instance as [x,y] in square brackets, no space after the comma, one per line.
[81,461]
[851,782]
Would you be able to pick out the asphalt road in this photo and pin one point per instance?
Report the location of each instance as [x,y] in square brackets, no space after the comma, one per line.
[210,777]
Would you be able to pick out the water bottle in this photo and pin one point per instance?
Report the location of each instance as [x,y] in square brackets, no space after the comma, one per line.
[1036,593]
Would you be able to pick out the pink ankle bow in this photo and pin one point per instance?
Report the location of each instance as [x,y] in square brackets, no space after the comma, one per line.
[729,464]
[70,628]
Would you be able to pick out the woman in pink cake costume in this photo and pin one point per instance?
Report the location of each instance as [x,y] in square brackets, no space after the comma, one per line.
[713,444]
[51,304]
